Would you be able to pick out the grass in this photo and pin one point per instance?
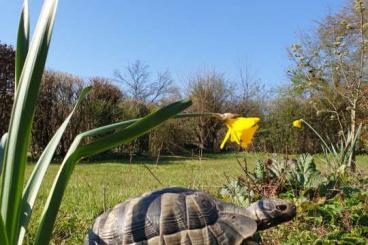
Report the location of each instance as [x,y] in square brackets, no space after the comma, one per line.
[97,186]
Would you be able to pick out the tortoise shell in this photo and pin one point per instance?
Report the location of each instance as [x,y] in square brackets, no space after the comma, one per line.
[171,216]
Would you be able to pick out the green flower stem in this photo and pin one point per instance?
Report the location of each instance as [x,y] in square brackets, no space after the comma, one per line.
[316,133]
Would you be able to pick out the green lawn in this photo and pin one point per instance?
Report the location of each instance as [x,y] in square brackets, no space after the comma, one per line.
[95,187]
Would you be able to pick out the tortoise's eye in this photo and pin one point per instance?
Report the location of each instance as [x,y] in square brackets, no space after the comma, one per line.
[281,207]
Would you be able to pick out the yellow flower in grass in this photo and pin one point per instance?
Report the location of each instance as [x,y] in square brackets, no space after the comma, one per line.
[240,130]
[297,123]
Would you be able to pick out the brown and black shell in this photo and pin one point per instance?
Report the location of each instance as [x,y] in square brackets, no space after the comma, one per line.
[170,216]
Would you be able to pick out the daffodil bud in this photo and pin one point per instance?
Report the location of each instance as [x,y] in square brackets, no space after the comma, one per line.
[226,116]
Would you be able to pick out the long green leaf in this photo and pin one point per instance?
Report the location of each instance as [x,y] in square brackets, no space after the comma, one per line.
[12,179]
[3,235]
[354,140]
[3,141]
[356,136]
[32,188]
[76,152]
[137,129]
[120,125]
[22,42]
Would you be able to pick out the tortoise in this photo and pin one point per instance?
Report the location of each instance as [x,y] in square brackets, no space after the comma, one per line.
[184,216]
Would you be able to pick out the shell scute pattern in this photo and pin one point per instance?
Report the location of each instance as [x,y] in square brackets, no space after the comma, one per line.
[173,213]
[201,211]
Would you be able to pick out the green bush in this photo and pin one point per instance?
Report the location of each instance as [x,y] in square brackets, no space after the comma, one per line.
[330,209]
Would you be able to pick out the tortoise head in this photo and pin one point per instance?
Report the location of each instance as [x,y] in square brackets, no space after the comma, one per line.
[271,212]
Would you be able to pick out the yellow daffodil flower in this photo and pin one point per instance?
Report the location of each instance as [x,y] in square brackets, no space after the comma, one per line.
[241,130]
[297,123]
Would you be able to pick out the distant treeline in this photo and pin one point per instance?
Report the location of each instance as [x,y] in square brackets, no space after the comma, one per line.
[328,88]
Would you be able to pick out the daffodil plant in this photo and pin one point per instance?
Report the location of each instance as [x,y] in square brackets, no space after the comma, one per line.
[17,196]
[338,156]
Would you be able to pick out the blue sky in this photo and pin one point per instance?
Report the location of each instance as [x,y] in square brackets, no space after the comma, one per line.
[95,37]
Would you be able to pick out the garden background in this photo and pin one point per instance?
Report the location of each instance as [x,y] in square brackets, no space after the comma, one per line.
[327,88]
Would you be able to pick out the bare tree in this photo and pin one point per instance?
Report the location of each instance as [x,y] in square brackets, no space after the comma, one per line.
[210,93]
[140,86]
[250,85]
[251,94]
[136,80]
[331,65]
[163,87]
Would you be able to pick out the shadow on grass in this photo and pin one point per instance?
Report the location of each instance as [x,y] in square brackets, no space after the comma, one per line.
[123,158]
[137,159]
[149,160]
